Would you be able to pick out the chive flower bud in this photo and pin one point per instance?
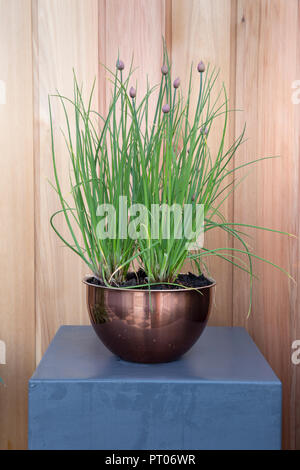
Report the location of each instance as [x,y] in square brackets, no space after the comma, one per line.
[176,82]
[201,67]
[164,69]
[204,131]
[166,108]
[120,64]
[132,92]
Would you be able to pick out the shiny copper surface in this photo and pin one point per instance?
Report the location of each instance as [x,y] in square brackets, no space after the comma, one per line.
[145,327]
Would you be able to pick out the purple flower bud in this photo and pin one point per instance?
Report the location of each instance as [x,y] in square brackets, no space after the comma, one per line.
[166,108]
[201,67]
[164,69]
[120,64]
[204,131]
[132,92]
[176,82]
[177,150]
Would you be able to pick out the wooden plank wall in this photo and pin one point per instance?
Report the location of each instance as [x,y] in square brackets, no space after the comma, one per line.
[17,325]
[267,48]
[256,45]
[65,36]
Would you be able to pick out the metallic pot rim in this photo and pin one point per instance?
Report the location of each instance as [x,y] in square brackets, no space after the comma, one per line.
[88,276]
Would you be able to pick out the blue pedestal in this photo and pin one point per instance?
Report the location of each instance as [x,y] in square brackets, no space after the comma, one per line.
[220,395]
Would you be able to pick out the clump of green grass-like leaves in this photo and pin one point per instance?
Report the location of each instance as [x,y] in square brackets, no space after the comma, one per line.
[150,157]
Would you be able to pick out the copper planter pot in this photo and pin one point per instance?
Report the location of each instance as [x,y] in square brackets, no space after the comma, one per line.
[148,328]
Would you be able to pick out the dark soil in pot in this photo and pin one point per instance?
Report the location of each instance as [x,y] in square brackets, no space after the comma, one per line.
[140,278]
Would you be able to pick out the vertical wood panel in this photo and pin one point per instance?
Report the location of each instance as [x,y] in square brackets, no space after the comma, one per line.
[65,37]
[202,30]
[266,67]
[295,253]
[134,30]
[136,27]
[17,222]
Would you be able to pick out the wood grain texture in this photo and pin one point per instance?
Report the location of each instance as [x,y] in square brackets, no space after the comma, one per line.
[135,29]
[65,36]
[202,30]
[295,253]
[267,37]
[17,326]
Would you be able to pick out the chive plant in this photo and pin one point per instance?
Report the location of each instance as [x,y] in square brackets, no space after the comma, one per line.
[152,155]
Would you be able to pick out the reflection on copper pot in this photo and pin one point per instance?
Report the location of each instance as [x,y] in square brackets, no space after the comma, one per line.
[148,327]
